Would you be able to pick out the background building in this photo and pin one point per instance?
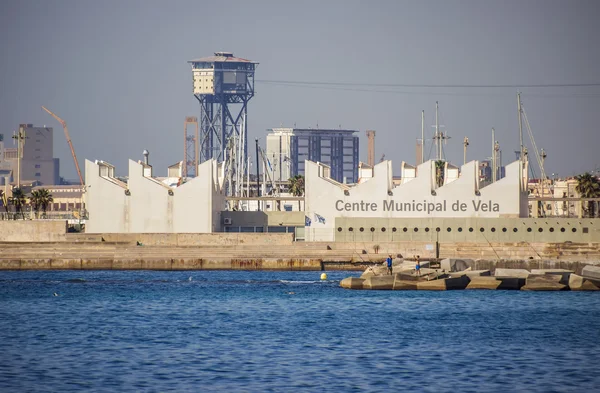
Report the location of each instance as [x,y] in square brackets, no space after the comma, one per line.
[37,156]
[288,148]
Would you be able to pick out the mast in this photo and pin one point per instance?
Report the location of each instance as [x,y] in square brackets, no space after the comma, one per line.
[493,155]
[437,133]
[257,174]
[520,125]
[422,137]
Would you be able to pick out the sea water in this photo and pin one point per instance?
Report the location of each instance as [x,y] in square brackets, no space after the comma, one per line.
[253,331]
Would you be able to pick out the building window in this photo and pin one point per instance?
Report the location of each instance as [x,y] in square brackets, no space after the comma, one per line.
[339,229]
[362,229]
[460,229]
[37,166]
[503,229]
[493,229]
[382,229]
[37,174]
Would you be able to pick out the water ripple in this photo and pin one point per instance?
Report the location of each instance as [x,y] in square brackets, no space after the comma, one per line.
[245,332]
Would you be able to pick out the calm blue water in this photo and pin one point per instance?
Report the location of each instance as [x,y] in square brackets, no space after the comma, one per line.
[245,332]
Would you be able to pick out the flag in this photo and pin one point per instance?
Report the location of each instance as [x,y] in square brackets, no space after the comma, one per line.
[307,221]
[319,218]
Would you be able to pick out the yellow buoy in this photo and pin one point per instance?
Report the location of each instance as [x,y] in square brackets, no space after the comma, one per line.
[323,276]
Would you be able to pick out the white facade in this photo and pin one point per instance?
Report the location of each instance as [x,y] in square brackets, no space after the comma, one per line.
[147,205]
[376,197]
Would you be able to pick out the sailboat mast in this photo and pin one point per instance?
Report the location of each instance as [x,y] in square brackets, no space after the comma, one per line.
[422,137]
[520,126]
[437,133]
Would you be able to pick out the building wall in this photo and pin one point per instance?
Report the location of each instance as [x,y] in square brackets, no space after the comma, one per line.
[151,206]
[37,161]
[327,200]
[468,230]
[105,201]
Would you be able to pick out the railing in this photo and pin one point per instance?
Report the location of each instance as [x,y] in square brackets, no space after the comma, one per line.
[72,216]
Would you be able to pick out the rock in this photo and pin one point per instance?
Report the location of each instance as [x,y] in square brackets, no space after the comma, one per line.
[443,284]
[455,265]
[590,271]
[544,283]
[518,273]
[379,282]
[579,283]
[352,283]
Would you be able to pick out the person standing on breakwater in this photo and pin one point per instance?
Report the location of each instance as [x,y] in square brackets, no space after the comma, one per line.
[389,263]
[417,266]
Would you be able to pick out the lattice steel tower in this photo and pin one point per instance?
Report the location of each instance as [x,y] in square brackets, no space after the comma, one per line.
[223,85]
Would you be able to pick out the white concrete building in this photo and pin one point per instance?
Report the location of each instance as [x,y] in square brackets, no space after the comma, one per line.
[147,205]
[419,197]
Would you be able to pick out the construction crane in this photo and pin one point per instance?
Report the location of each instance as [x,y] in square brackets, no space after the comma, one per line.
[64,124]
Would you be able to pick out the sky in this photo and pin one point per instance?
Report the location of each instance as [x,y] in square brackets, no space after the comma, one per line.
[117,72]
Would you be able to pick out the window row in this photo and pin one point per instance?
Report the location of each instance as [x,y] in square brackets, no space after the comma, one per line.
[459,229]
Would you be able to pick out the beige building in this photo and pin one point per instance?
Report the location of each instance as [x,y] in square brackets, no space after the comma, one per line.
[37,161]
[146,204]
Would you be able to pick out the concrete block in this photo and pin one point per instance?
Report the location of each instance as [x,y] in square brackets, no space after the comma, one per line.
[483,282]
[99,264]
[70,264]
[127,264]
[186,264]
[543,283]
[562,273]
[579,283]
[379,282]
[352,283]
[518,273]
[35,264]
[455,265]
[511,283]
[156,264]
[591,271]
[10,264]
[443,284]
[404,285]
[473,273]
[216,264]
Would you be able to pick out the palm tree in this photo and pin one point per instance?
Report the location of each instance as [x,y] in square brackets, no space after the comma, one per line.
[297,187]
[19,201]
[40,199]
[4,200]
[588,186]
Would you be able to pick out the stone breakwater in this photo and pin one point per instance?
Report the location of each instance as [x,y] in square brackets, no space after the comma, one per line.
[452,274]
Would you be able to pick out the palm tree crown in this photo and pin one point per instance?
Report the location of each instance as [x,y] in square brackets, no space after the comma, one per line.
[297,185]
[40,199]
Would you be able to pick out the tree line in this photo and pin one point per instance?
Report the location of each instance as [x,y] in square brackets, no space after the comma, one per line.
[39,200]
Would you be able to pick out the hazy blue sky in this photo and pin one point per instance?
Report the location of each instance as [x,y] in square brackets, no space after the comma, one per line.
[117,72]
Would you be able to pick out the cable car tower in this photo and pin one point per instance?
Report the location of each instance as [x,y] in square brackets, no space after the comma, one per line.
[223,85]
